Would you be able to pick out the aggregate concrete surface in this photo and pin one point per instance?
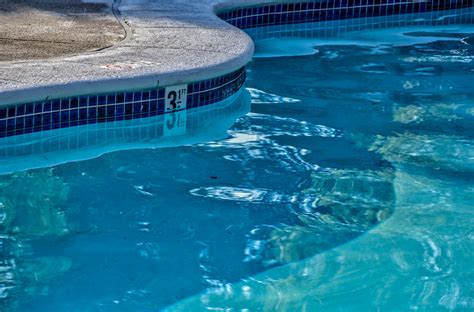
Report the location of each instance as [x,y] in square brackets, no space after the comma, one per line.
[38,30]
[167,42]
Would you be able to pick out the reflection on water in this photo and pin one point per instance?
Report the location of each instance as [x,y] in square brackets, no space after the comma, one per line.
[38,212]
[43,149]
[343,203]
[417,259]
[349,185]
[432,152]
[374,32]
[409,107]
[32,205]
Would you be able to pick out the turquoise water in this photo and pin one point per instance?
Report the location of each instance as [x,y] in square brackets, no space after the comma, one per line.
[349,185]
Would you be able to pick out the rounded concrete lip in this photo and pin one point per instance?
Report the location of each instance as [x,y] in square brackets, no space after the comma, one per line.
[171,42]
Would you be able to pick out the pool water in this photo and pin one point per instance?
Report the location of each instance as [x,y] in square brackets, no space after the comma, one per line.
[348,186]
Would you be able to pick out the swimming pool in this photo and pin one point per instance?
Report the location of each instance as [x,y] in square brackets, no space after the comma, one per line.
[349,185]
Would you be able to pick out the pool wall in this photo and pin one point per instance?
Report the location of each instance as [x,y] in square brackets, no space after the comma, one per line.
[330,10]
[177,55]
[72,111]
[71,144]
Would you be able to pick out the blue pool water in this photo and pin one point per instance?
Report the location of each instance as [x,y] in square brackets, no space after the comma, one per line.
[348,186]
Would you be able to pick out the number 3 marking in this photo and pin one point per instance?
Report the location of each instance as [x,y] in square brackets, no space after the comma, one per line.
[170,123]
[175,97]
[172,97]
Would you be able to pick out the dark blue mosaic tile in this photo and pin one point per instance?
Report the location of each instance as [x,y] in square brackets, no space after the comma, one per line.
[55,105]
[83,115]
[101,113]
[3,126]
[129,97]
[93,101]
[20,110]
[314,11]
[64,104]
[120,98]
[89,109]
[111,99]
[137,96]
[47,121]
[47,106]
[19,125]
[110,112]
[128,110]
[11,112]
[145,95]
[55,120]
[146,109]
[10,125]
[74,102]
[64,117]
[83,101]
[38,122]
[161,107]
[161,93]
[154,94]
[102,100]
[73,117]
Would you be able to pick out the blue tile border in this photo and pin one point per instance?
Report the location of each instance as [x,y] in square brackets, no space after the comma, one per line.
[330,10]
[50,114]
[139,132]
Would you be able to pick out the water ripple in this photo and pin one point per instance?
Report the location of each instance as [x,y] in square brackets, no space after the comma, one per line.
[230,193]
[262,97]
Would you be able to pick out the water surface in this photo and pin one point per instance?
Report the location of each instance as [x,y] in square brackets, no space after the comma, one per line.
[348,186]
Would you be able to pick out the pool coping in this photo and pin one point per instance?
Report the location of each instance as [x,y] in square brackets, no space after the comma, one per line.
[166,44]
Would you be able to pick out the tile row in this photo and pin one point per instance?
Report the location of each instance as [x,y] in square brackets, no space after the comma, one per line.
[89,109]
[314,11]
[127,131]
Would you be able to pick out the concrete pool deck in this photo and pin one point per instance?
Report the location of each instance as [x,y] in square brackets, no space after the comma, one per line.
[39,30]
[166,43]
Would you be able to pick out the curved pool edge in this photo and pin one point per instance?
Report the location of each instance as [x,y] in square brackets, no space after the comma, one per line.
[174,44]
[85,142]
[171,43]
[167,47]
